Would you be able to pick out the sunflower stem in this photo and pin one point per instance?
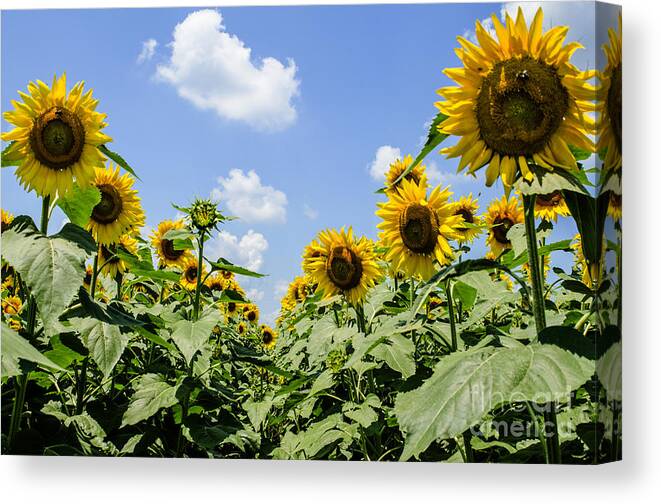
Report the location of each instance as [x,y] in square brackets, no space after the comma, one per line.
[21,384]
[81,383]
[200,259]
[118,279]
[550,417]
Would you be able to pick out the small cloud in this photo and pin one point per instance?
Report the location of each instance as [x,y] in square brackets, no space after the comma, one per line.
[280,289]
[247,198]
[214,70]
[384,156]
[310,212]
[148,50]
[247,250]
[255,295]
[438,177]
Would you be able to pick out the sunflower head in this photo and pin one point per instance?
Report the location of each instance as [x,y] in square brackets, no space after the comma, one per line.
[399,166]
[204,215]
[501,215]
[56,137]
[268,337]
[119,212]
[609,101]
[7,219]
[417,229]
[549,206]
[518,100]
[215,282]
[591,273]
[615,206]
[168,256]
[11,305]
[189,274]
[242,328]
[340,264]
[111,263]
[466,207]
[251,313]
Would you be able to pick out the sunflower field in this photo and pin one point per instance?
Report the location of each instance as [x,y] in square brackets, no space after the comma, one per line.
[409,347]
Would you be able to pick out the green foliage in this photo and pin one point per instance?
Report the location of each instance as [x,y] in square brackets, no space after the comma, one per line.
[151,393]
[15,349]
[79,204]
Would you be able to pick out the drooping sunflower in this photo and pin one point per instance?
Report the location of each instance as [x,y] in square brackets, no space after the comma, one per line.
[609,102]
[590,273]
[519,100]
[398,167]
[119,211]
[7,219]
[340,264]
[110,262]
[615,206]
[189,274]
[55,138]
[467,208]
[418,228]
[251,313]
[268,336]
[501,215]
[11,305]
[549,206]
[168,256]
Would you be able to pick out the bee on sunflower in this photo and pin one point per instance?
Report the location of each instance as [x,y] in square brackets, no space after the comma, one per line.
[56,137]
[399,166]
[111,264]
[467,208]
[609,101]
[518,101]
[119,212]
[549,206]
[168,256]
[418,229]
[340,264]
[268,337]
[501,215]
[7,219]
[189,274]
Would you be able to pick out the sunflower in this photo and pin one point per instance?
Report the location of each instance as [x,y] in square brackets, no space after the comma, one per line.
[615,206]
[338,263]
[119,211]
[215,282]
[87,280]
[11,305]
[590,274]
[231,309]
[55,138]
[268,336]
[397,167]
[298,291]
[189,274]
[549,206]
[110,262]
[168,256]
[251,313]
[233,285]
[242,328]
[609,102]
[467,208]
[519,100]
[501,216]
[7,219]
[418,229]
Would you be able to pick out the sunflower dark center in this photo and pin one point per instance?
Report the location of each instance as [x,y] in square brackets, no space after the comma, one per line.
[110,206]
[252,316]
[549,200]
[170,253]
[267,337]
[520,105]
[344,268]
[500,229]
[191,273]
[466,214]
[231,307]
[418,227]
[57,138]
[614,105]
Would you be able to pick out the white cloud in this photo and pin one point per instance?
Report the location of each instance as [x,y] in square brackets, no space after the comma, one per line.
[438,177]
[248,199]
[255,295]
[385,155]
[247,250]
[310,212]
[280,289]
[213,70]
[148,50]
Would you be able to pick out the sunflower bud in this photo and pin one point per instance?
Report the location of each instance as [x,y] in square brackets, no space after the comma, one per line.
[204,215]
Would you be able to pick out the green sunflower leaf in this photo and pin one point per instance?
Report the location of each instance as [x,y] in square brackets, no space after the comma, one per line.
[191,336]
[7,158]
[79,204]
[152,393]
[224,265]
[16,348]
[118,159]
[105,342]
[53,267]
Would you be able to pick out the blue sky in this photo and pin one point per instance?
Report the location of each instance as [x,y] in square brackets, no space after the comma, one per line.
[338,83]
